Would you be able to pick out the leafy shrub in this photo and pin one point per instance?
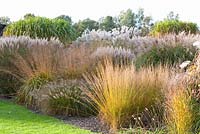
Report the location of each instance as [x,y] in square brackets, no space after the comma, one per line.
[173,26]
[121,92]
[39,27]
[167,54]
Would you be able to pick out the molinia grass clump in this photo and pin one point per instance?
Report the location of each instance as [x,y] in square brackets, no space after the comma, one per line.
[119,92]
[179,111]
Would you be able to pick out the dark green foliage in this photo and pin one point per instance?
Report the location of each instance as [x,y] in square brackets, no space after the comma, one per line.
[89,24]
[170,55]
[65,17]
[39,27]
[127,18]
[174,26]
[28,15]
[139,21]
[9,85]
[2,26]
[172,16]
[108,23]
[5,20]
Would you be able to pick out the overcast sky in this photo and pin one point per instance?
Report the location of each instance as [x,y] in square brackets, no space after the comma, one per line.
[189,10]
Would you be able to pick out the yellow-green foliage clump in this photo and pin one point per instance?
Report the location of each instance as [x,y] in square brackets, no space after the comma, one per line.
[121,92]
[173,26]
[180,115]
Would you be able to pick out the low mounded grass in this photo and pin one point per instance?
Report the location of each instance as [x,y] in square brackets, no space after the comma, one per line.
[16,119]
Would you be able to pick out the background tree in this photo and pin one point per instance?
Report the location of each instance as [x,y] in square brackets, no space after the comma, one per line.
[89,24]
[107,23]
[28,15]
[65,17]
[127,18]
[143,23]
[172,16]
[5,20]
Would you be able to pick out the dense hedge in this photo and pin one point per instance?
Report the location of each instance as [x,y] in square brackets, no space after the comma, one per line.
[40,27]
[2,26]
[173,26]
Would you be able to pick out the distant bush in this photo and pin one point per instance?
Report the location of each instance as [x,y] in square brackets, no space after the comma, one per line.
[173,26]
[39,27]
[166,54]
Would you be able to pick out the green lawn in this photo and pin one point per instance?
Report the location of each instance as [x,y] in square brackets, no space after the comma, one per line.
[15,119]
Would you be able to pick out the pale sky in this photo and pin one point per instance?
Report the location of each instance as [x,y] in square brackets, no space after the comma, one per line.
[188,10]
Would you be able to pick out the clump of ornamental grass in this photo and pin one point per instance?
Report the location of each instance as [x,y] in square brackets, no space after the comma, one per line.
[35,62]
[75,61]
[119,92]
[39,67]
[10,82]
[34,65]
[166,54]
[28,92]
[28,57]
[151,118]
[65,97]
[180,115]
[118,55]
[138,45]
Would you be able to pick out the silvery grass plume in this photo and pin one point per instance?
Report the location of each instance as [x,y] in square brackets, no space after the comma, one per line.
[126,38]
[24,56]
[123,32]
[113,52]
[184,64]
[197,44]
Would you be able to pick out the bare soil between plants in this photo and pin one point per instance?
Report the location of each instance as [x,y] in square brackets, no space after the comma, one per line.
[92,123]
